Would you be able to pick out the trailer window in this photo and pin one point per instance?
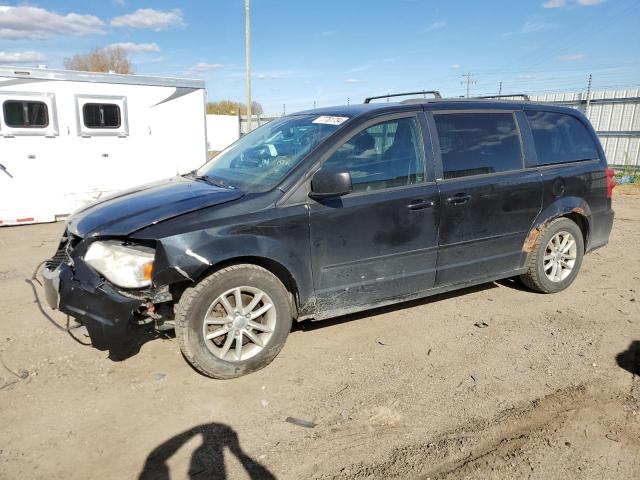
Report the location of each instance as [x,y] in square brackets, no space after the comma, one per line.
[25,114]
[101,115]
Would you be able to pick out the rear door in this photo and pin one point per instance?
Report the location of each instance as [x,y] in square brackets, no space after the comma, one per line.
[488,199]
[28,126]
[380,241]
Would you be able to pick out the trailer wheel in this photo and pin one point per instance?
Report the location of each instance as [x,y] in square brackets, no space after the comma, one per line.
[556,257]
[234,322]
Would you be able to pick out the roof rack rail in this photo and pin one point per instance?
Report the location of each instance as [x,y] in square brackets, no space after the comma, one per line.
[523,96]
[435,93]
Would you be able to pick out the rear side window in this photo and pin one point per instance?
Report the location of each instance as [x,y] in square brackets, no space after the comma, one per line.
[25,114]
[386,155]
[560,138]
[478,143]
[101,115]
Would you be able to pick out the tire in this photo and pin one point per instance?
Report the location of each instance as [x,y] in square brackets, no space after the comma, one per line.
[541,267]
[207,299]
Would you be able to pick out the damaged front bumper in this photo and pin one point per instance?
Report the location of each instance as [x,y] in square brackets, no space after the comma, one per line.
[75,289]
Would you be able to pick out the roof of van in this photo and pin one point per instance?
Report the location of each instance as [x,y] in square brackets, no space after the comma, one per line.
[354,110]
[39,74]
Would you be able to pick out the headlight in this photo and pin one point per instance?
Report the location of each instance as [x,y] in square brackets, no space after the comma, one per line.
[127,266]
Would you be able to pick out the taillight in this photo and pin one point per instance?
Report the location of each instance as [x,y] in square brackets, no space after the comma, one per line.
[611,181]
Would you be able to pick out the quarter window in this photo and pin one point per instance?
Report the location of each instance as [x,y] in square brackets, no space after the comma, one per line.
[478,143]
[101,115]
[560,138]
[386,155]
[25,114]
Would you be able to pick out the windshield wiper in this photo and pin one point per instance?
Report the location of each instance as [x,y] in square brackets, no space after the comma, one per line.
[216,182]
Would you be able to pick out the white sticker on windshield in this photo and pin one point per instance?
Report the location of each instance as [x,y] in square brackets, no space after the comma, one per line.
[329,120]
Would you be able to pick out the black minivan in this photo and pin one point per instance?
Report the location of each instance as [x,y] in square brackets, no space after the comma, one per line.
[336,210]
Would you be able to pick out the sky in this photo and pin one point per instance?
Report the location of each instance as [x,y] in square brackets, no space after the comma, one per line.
[336,51]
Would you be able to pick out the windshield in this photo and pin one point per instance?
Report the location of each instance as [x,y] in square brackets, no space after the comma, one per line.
[260,159]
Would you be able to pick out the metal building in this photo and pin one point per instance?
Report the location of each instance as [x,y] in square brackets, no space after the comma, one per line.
[615,114]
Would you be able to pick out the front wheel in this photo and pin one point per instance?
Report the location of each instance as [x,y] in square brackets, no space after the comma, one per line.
[556,257]
[233,322]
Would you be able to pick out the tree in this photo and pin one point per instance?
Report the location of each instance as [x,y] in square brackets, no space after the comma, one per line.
[112,59]
[229,107]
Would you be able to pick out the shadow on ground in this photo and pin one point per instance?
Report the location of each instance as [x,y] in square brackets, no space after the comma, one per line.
[630,358]
[207,461]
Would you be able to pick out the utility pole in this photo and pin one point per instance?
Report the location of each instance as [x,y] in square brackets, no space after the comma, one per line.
[247,30]
[500,89]
[468,82]
[284,109]
[586,108]
[314,104]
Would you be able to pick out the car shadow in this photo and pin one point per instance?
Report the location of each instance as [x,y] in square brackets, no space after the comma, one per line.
[135,340]
[207,461]
[630,358]
[313,325]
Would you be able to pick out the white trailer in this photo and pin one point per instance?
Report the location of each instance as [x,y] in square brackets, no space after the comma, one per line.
[68,138]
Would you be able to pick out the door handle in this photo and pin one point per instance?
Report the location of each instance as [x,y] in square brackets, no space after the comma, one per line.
[420,204]
[459,199]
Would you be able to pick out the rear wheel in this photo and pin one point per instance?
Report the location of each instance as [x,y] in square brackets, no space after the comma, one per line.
[556,257]
[233,322]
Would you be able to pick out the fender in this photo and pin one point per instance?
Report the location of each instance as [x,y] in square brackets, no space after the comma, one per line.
[280,245]
[559,208]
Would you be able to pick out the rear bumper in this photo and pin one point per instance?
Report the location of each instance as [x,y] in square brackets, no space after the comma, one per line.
[105,312]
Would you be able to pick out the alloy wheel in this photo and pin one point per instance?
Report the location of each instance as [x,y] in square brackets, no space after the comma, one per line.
[560,256]
[239,323]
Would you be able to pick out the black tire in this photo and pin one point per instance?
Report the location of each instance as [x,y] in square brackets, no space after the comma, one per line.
[193,307]
[535,278]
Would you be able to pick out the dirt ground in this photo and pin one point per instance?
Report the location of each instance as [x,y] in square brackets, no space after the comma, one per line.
[544,390]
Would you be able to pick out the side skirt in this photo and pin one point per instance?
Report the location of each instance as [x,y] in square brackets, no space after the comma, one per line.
[331,313]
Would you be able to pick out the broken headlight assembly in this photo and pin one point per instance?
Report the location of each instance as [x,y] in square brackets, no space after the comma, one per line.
[127,266]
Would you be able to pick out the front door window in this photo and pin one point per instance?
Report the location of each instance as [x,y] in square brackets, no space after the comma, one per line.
[385,155]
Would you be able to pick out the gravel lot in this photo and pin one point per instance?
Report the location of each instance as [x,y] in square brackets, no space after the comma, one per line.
[544,390]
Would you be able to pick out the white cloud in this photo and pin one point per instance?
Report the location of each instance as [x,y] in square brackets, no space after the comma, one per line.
[455,65]
[529,27]
[436,26]
[571,57]
[563,3]
[355,80]
[203,67]
[360,68]
[29,23]
[136,47]
[554,4]
[274,74]
[149,18]
[22,57]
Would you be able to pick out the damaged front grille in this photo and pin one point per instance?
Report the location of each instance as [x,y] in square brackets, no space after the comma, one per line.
[63,254]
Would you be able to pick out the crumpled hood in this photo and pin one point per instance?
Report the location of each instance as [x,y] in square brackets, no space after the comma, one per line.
[139,207]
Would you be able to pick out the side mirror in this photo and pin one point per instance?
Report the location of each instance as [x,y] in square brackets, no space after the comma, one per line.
[327,184]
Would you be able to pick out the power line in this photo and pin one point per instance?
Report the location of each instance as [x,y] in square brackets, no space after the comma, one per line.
[468,82]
